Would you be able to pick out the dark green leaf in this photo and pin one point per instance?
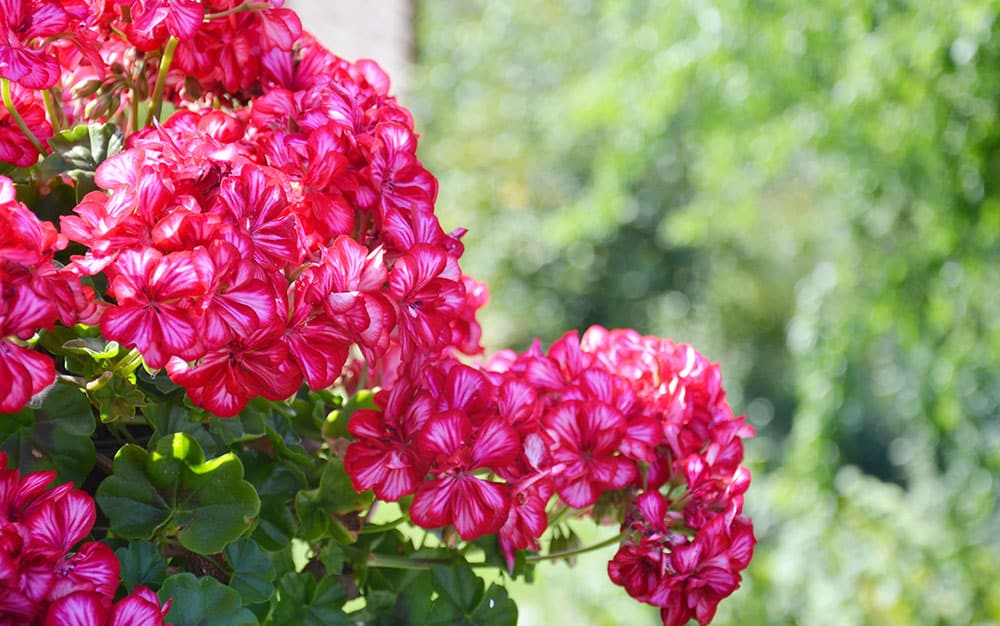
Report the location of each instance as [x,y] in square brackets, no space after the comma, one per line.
[496,609]
[253,571]
[141,564]
[207,503]
[168,418]
[413,604]
[337,494]
[459,585]
[203,602]
[78,151]
[306,602]
[56,436]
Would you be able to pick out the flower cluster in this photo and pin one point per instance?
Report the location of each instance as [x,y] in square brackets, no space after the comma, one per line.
[611,414]
[34,294]
[44,581]
[246,253]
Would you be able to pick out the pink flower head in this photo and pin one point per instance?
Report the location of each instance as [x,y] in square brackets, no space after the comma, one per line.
[34,294]
[15,147]
[24,25]
[456,495]
[140,608]
[383,457]
[587,436]
[39,530]
[225,379]
[157,310]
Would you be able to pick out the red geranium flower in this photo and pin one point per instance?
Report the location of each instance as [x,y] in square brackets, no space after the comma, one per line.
[456,495]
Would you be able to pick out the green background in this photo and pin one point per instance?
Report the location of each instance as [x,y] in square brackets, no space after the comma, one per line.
[807,192]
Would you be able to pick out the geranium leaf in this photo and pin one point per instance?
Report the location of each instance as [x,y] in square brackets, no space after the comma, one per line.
[58,435]
[253,571]
[275,484]
[306,602]
[78,151]
[129,498]
[142,564]
[207,503]
[496,609]
[413,604]
[202,601]
[459,585]
[337,493]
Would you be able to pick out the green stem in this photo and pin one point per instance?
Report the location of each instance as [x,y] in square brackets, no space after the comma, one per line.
[55,116]
[161,79]
[381,528]
[558,514]
[133,114]
[129,362]
[568,553]
[246,6]
[8,101]
[388,561]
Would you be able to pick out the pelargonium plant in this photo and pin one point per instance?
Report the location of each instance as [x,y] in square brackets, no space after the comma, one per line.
[230,318]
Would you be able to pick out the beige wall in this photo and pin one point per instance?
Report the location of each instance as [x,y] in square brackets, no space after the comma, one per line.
[376,29]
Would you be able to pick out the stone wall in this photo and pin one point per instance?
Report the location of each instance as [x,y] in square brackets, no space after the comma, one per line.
[377,29]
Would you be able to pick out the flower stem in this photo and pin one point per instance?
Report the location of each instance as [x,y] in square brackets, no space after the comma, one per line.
[246,6]
[388,561]
[8,101]
[55,115]
[161,79]
[381,528]
[568,553]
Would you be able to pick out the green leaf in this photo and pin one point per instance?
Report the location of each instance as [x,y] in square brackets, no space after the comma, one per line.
[276,485]
[97,348]
[336,492]
[246,426]
[306,602]
[78,151]
[141,564]
[205,504]
[253,571]
[459,585]
[56,436]
[313,518]
[203,602]
[276,524]
[335,425]
[168,418]
[129,498]
[496,609]
[413,604]
[332,556]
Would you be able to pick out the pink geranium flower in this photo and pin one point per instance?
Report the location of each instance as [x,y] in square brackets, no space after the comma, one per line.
[156,310]
[41,566]
[24,24]
[456,495]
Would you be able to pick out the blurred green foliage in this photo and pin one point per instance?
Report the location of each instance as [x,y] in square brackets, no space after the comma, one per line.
[808,192]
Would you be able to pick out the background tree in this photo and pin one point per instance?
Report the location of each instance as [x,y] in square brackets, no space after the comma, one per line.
[810,193]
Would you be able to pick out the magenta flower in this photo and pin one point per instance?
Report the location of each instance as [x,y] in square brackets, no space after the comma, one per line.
[15,147]
[456,495]
[23,24]
[587,437]
[140,608]
[39,529]
[156,311]
[34,294]
[225,379]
